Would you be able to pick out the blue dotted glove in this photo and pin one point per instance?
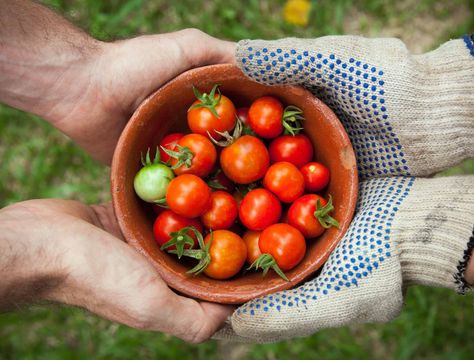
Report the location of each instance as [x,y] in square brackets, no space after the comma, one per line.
[406,116]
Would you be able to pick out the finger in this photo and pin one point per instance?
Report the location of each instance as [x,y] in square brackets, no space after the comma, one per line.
[103,216]
[191,320]
[199,49]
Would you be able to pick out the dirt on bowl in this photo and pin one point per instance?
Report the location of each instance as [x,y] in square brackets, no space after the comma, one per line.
[165,111]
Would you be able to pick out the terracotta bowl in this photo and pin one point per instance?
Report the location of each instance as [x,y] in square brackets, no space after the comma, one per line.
[165,111]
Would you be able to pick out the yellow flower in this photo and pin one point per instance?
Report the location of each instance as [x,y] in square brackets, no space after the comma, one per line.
[297,12]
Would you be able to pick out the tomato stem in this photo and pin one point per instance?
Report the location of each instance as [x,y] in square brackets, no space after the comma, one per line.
[322,214]
[180,239]
[229,139]
[202,254]
[265,262]
[147,161]
[292,120]
[184,155]
[209,101]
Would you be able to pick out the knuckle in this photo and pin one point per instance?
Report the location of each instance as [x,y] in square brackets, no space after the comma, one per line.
[192,33]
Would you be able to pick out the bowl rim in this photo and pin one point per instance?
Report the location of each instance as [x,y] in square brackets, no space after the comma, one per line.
[227,297]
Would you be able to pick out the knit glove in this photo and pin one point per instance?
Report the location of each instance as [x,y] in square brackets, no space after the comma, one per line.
[407,116]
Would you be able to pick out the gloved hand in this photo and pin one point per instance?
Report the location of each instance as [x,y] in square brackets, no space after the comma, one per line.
[407,116]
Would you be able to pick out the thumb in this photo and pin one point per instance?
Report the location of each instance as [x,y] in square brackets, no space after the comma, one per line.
[199,49]
[147,62]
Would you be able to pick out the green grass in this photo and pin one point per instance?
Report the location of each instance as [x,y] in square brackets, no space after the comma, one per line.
[38,161]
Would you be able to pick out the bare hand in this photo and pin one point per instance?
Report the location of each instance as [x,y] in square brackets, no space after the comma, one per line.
[67,252]
[123,74]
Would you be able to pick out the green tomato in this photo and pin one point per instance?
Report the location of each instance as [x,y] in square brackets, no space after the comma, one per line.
[151,182]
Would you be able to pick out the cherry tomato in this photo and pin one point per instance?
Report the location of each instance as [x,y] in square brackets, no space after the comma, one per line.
[259,209]
[285,181]
[316,176]
[222,212]
[169,142]
[296,149]
[168,222]
[302,215]
[188,195]
[243,115]
[197,155]
[246,160]
[201,119]
[228,253]
[266,117]
[152,180]
[285,243]
[253,250]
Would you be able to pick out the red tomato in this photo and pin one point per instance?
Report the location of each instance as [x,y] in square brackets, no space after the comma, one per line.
[168,222]
[222,212]
[259,209]
[228,253]
[302,215]
[266,117]
[285,181]
[296,149]
[243,115]
[285,243]
[201,120]
[253,250]
[169,142]
[188,195]
[197,156]
[246,160]
[316,176]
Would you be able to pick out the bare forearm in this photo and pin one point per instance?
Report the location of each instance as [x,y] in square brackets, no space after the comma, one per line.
[41,57]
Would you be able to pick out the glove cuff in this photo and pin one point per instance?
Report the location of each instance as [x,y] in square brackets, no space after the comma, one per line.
[434,232]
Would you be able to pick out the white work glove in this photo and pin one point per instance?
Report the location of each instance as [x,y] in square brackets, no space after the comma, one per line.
[407,116]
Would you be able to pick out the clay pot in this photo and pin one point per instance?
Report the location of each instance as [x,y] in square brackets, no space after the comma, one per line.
[165,111]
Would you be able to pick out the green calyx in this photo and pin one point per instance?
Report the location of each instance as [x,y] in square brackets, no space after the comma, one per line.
[184,156]
[228,139]
[213,183]
[292,120]
[265,262]
[180,239]
[209,101]
[202,254]
[147,160]
[162,202]
[322,214]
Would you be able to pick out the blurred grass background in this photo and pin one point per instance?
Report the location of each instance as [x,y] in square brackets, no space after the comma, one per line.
[37,161]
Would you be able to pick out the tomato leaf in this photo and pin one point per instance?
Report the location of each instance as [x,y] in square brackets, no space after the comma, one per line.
[216,185]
